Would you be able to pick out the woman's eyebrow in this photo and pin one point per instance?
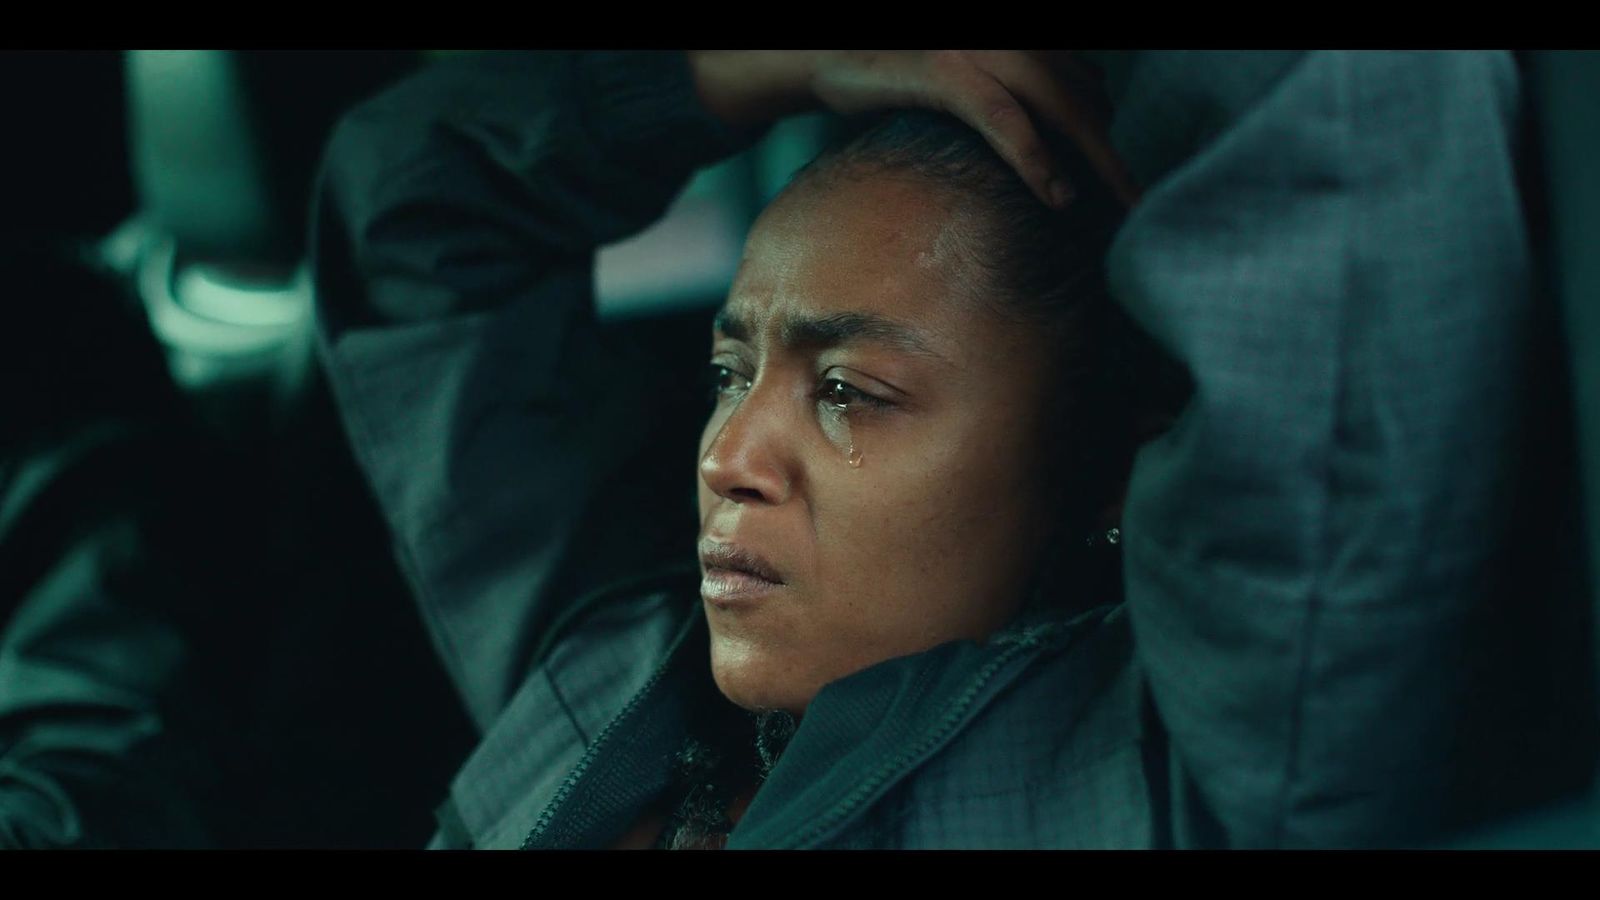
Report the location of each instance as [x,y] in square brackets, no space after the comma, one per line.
[832,330]
[840,328]
[731,325]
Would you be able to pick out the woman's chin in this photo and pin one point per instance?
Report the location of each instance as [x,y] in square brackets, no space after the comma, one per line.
[755,681]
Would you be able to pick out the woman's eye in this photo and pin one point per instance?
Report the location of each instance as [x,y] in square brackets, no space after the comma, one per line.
[723,381]
[842,396]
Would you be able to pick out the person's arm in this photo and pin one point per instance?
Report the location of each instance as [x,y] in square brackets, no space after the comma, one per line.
[1333,245]
[457,219]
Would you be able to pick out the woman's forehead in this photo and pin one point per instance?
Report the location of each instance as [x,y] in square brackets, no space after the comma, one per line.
[870,221]
[801,330]
[806,313]
[875,256]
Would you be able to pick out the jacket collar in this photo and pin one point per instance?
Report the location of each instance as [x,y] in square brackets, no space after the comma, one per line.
[860,737]
[866,733]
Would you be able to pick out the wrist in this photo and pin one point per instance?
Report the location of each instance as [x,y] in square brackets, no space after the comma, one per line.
[751,89]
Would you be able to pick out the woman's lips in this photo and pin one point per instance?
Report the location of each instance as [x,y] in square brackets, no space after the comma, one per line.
[728,586]
[715,554]
[735,574]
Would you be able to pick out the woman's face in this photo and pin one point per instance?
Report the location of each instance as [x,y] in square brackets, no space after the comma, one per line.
[872,478]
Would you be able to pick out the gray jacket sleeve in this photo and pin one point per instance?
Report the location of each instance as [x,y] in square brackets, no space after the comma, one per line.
[457,220]
[1332,244]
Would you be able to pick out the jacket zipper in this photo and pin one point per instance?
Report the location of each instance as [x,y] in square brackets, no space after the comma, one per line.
[600,741]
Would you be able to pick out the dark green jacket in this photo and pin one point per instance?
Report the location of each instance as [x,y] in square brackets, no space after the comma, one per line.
[1315,648]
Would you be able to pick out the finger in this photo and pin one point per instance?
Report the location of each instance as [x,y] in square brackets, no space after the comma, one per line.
[946,81]
[981,101]
[1064,109]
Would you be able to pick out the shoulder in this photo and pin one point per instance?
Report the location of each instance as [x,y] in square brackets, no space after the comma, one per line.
[1057,761]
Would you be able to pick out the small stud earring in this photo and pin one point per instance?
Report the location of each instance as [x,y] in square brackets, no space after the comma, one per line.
[1111,536]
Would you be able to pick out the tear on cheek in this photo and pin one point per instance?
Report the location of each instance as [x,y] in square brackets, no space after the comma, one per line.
[836,426]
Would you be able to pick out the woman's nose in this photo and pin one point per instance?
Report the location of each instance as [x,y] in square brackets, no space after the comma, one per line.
[748,460]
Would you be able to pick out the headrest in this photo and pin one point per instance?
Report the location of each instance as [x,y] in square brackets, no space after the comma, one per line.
[225,143]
